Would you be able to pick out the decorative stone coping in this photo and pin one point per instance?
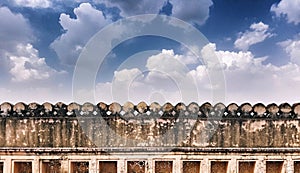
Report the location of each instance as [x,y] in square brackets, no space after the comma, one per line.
[149,126]
[129,110]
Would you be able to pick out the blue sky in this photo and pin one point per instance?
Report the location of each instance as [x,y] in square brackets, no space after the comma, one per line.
[256,41]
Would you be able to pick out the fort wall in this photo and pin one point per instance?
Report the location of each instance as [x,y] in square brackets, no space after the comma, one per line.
[166,138]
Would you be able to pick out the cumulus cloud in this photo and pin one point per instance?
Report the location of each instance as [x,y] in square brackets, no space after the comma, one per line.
[126,75]
[133,7]
[29,66]
[288,9]
[258,33]
[166,61]
[25,76]
[88,20]
[14,30]
[17,55]
[188,58]
[167,72]
[164,79]
[33,3]
[79,30]
[123,80]
[195,11]
[20,61]
[248,79]
[292,48]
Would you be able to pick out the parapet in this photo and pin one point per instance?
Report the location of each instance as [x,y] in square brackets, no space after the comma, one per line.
[129,110]
[142,125]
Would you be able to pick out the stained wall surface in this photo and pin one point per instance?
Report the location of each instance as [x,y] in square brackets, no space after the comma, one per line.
[131,125]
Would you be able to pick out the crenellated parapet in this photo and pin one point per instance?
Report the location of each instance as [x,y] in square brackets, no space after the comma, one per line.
[206,110]
[149,125]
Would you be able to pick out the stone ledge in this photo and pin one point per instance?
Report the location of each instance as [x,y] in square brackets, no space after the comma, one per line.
[153,150]
[129,110]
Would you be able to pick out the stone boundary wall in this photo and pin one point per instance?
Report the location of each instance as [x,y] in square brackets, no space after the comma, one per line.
[142,125]
[128,110]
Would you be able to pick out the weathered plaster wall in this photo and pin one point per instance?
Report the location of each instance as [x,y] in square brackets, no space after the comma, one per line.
[153,125]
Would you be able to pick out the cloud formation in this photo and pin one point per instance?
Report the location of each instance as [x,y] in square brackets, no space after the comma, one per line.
[162,79]
[288,9]
[29,66]
[133,7]
[33,3]
[14,30]
[248,79]
[292,48]
[25,75]
[195,11]
[78,31]
[17,55]
[258,33]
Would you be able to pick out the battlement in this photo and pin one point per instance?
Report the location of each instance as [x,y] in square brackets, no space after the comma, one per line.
[175,138]
[206,110]
[153,125]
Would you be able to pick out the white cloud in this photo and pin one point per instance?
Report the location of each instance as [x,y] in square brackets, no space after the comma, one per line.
[288,9]
[196,11]
[258,33]
[29,66]
[33,3]
[166,61]
[17,55]
[126,75]
[248,79]
[188,58]
[168,73]
[233,61]
[292,48]
[123,80]
[24,75]
[164,79]
[133,7]
[78,31]
[14,30]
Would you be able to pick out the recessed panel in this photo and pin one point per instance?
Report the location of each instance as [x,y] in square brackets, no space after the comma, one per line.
[246,166]
[219,166]
[79,167]
[136,167]
[274,166]
[191,166]
[1,167]
[22,167]
[108,167]
[163,166]
[51,166]
[297,167]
